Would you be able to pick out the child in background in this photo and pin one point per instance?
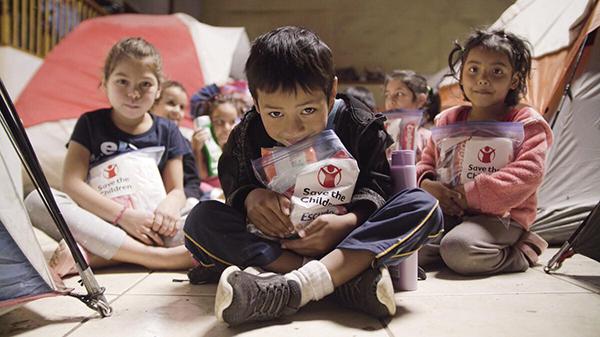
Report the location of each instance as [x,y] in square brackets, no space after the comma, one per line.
[494,67]
[171,104]
[224,113]
[291,77]
[108,231]
[405,89]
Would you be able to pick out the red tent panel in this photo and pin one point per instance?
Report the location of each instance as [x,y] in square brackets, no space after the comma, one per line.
[68,82]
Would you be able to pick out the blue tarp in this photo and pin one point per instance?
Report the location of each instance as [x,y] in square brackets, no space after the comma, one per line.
[18,278]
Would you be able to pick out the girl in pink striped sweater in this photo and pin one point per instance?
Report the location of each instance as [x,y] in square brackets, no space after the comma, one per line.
[488,218]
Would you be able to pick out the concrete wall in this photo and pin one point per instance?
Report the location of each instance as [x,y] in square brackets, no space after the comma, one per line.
[386,34]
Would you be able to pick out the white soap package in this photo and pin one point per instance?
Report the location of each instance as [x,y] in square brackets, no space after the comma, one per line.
[465,150]
[318,174]
[131,179]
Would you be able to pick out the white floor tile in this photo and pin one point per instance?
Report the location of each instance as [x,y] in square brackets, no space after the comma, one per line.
[116,279]
[162,283]
[47,317]
[445,282]
[147,315]
[578,269]
[524,315]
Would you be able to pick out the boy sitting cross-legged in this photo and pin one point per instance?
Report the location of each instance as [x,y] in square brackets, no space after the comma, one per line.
[291,78]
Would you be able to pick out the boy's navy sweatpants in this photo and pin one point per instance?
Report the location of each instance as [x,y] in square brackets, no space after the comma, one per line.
[216,233]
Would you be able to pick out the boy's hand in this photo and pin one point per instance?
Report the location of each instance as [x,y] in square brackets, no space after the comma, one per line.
[451,201]
[166,218]
[138,224]
[269,212]
[321,235]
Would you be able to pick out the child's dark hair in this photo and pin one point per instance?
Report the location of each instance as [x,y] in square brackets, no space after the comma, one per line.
[171,83]
[417,84]
[287,57]
[134,48]
[208,98]
[515,48]
[363,94]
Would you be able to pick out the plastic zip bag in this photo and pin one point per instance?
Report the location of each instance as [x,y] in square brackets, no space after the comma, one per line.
[468,149]
[318,174]
[132,179]
[402,125]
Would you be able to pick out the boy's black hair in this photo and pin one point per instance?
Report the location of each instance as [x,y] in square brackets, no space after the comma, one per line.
[363,94]
[515,48]
[287,57]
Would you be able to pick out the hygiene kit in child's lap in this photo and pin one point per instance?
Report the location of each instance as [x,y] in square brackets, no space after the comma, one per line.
[132,179]
[468,149]
[318,174]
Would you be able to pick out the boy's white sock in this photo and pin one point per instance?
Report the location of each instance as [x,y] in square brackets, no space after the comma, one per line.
[314,279]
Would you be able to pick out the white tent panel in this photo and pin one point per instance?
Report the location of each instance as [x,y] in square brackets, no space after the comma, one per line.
[546,24]
[571,185]
[12,211]
[222,51]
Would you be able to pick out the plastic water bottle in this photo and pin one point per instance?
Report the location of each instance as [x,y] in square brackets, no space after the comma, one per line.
[212,150]
[404,175]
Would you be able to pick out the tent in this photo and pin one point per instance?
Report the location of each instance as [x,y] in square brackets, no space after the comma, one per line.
[583,241]
[24,274]
[571,187]
[20,255]
[568,29]
[67,83]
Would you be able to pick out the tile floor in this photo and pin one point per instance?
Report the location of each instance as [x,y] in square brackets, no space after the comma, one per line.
[157,304]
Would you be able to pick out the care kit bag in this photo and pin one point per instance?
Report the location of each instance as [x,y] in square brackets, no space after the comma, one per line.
[402,125]
[318,174]
[468,149]
[132,179]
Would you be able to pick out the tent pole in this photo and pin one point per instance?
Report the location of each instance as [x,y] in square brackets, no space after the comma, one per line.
[16,133]
[567,91]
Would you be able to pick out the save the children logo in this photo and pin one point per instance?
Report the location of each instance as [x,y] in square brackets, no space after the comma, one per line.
[486,154]
[329,176]
[111,171]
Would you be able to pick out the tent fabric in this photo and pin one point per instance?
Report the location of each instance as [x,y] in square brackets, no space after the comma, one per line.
[587,241]
[222,50]
[571,186]
[19,280]
[68,82]
[549,32]
[24,274]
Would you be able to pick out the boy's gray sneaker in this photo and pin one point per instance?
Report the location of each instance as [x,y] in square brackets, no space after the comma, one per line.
[371,292]
[243,297]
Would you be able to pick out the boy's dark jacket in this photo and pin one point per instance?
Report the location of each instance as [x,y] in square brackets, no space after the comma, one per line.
[361,132]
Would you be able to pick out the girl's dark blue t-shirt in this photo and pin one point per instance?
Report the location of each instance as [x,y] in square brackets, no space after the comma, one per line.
[96,131]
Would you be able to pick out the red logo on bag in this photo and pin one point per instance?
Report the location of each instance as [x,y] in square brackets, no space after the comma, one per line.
[329,176]
[486,154]
[111,171]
